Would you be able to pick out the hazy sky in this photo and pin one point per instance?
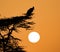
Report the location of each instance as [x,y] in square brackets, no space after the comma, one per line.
[46,16]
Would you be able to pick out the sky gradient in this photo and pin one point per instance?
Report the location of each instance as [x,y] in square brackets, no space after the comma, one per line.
[46,16]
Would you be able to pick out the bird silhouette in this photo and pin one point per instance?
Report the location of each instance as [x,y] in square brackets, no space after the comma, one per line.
[29,12]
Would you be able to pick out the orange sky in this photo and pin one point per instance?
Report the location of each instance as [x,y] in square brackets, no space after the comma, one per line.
[46,16]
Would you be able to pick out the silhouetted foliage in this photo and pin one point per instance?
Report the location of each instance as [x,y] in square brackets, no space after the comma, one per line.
[10,43]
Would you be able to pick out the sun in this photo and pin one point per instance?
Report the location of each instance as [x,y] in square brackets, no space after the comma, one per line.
[34,37]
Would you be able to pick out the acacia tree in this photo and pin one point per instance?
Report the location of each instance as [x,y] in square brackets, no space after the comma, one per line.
[9,43]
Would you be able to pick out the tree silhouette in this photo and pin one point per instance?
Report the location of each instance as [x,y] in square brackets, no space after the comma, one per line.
[9,43]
